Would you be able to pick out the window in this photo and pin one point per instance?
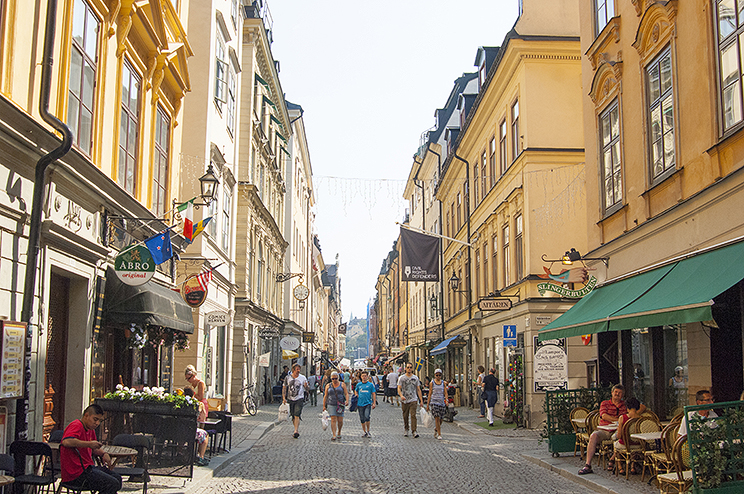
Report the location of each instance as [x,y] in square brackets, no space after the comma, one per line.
[661,113]
[234,12]
[485,267]
[160,163]
[259,271]
[231,101]
[730,44]
[475,183]
[516,148]
[491,162]
[226,204]
[220,71]
[459,211]
[502,147]
[605,10]
[129,129]
[82,82]
[518,253]
[507,281]
[214,208]
[484,174]
[476,288]
[609,128]
[494,262]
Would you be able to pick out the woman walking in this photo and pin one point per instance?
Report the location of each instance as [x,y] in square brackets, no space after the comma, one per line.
[435,403]
[334,399]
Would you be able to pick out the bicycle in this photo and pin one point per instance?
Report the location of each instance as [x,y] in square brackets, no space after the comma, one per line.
[250,401]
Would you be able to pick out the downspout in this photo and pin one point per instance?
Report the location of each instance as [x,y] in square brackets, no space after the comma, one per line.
[34,234]
[441,253]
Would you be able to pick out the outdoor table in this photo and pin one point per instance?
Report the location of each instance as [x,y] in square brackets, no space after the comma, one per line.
[116,452]
[648,437]
[6,480]
[210,421]
[608,428]
[579,422]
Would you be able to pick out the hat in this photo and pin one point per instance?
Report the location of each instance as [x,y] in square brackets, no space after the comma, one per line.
[438,371]
[678,368]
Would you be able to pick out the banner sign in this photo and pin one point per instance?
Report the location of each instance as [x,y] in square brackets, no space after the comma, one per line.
[494,304]
[419,256]
[263,359]
[565,292]
[550,365]
[13,348]
[135,266]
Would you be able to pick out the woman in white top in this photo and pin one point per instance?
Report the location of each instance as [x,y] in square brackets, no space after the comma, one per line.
[436,402]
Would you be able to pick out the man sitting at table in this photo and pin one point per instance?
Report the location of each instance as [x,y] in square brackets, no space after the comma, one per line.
[702,397]
[79,444]
[609,412]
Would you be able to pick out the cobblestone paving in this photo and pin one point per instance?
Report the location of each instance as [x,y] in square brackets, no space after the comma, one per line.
[388,462]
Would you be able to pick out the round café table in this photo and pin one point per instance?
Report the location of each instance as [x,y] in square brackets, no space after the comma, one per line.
[6,480]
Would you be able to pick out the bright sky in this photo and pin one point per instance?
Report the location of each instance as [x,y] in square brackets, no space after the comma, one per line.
[369,76]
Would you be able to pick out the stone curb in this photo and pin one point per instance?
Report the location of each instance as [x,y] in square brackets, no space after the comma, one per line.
[593,482]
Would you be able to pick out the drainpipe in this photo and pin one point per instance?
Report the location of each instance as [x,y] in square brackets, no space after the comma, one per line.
[34,234]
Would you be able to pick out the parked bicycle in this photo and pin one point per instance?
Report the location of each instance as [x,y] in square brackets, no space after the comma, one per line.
[250,402]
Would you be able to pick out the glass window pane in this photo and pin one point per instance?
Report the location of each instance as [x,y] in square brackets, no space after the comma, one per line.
[657,158]
[86,119]
[123,130]
[731,105]
[729,64]
[618,189]
[656,124]
[615,122]
[134,96]
[125,80]
[653,82]
[609,200]
[78,21]
[607,163]
[76,68]
[91,36]
[132,140]
[73,110]
[130,174]
[669,149]
[122,166]
[616,157]
[89,76]
[666,72]
[726,18]
[605,131]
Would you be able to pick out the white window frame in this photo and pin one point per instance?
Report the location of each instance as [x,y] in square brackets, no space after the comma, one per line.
[610,149]
[663,103]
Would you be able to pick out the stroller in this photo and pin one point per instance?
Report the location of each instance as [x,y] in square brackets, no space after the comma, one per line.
[449,415]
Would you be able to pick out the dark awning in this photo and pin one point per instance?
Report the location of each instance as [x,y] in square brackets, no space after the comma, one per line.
[442,347]
[677,293]
[147,304]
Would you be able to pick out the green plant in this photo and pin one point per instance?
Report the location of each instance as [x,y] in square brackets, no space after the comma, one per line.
[156,395]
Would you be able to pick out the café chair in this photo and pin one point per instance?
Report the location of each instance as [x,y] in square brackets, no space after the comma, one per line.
[592,420]
[72,488]
[662,461]
[136,469]
[631,450]
[679,479]
[41,477]
[7,465]
[578,413]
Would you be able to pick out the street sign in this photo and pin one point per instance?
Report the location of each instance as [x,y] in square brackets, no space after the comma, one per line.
[308,337]
[494,304]
[268,332]
[510,335]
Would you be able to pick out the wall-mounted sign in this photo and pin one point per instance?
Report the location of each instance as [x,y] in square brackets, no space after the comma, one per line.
[192,291]
[543,320]
[510,335]
[135,266]
[289,343]
[11,364]
[208,366]
[494,304]
[550,365]
[342,328]
[308,337]
[263,359]
[458,343]
[268,332]
[217,318]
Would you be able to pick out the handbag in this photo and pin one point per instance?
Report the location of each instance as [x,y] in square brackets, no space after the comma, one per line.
[353,405]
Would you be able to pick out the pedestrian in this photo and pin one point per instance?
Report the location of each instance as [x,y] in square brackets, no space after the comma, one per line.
[347,378]
[312,386]
[491,388]
[283,375]
[335,398]
[366,400]
[436,403]
[295,387]
[385,392]
[376,381]
[78,446]
[202,436]
[200,389]
[392,379]
[409,391]
[481,392]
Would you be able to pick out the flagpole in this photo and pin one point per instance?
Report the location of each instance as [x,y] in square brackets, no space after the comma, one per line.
[210,269]
[413,228]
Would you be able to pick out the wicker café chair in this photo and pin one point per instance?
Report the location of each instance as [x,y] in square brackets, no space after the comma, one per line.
[679,479]
[648,414]
[662,461]
[578,413]
[630,451]
[592,420]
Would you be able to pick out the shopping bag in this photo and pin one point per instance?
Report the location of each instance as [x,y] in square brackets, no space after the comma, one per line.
[283,412]
[353,405]
[325,419]
[425,417]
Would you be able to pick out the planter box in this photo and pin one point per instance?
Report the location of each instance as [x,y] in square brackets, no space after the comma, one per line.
[727,488]
[561,443]
[144,406]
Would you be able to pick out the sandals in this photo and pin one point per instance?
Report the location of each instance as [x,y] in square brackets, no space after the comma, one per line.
[611,466]
[586,469]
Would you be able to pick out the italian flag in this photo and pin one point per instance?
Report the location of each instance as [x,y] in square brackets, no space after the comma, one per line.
[187,212]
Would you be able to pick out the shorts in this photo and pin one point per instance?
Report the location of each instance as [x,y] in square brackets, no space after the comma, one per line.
[295,408]
[437,410]
[201,435]
[335,411]
[391,391]
[364,413]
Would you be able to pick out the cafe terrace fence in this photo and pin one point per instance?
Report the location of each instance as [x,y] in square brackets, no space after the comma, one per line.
[558,405]
[173,431]
[717,447]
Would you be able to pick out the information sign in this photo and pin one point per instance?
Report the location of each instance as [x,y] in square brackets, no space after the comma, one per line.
[510,335]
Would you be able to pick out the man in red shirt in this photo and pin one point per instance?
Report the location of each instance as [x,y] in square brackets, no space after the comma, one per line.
[79,444]
[609,413]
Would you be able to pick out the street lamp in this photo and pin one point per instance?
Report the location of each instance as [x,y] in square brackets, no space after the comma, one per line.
[433,302]
[573,255]
[208,186]
[454,283]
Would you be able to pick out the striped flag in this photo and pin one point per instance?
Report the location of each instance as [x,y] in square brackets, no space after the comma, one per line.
[204,278]
[187,211]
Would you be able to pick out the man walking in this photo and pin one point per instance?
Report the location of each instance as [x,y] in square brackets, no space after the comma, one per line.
[392,380]
[295,387]
[366,401]
[409,391]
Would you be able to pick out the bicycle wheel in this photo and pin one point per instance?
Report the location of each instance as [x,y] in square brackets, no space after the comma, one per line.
[250,405]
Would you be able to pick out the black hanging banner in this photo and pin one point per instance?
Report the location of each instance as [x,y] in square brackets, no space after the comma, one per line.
[419,256]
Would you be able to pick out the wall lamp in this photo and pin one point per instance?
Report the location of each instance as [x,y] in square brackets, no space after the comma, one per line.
[208,185]
[282,277]
[573,255]
[454,283]
[433,303]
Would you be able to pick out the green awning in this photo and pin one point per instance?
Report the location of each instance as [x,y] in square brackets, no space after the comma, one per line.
[677,293]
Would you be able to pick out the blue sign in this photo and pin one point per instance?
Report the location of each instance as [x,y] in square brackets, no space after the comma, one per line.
[510,335]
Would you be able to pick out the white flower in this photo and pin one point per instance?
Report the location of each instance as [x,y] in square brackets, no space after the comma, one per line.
[119,387]
[146,390]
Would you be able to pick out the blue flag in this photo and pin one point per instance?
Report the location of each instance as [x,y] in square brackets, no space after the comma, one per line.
[160,247]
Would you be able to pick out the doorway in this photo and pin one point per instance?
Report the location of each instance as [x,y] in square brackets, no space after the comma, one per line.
[56,354]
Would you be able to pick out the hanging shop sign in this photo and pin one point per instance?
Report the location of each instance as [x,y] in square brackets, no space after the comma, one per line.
[268,332]
[263,359]
[11,364]
[458,343]
[494,304]
[194,293]
[218,318]
[135,266]
[308,337]
[558,282]
[550,365]
[289,343]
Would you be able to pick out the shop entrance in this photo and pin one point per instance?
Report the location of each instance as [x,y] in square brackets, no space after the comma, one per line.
[56,356]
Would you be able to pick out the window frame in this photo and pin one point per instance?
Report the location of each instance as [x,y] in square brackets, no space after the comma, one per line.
[231,103]
[514,114]
[128,116]
[614,140]
[226,204]
[505,248]
[160,183]
[220,70]
[492,161]
[519,246]
[651,105]
[599,24]
[724,41]
[503,147]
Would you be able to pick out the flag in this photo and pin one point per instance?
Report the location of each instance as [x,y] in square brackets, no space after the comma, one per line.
[204,278]
[160,247]
[419,365]
[419,256]
[187,211]
[199,227]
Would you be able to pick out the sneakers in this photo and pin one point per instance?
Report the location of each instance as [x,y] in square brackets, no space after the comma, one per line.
[490,424]
[366,434]
[202,462]
[415,434]
[296,435]
[405,434]
[438,436]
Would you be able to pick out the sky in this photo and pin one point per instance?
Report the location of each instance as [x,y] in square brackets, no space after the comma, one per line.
[369,76]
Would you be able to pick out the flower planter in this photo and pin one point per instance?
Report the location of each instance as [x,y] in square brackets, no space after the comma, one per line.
[144,406]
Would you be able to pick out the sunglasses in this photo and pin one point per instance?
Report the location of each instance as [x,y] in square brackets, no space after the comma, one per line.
[334,379]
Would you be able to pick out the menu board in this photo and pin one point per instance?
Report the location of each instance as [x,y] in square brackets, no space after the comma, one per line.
[11,363]
[550,365]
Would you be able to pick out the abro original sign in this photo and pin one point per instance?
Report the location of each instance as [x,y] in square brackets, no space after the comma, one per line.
[494,304]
